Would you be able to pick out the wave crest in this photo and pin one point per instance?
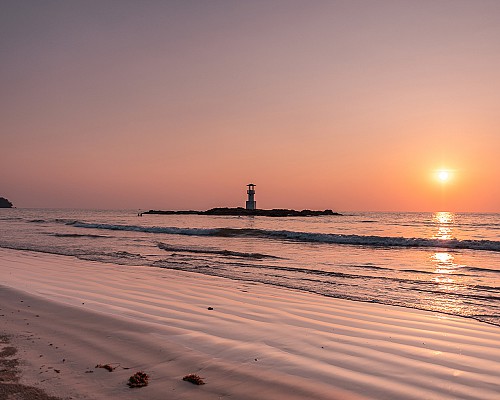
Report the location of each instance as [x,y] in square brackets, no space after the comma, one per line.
[227,253]
[330,238]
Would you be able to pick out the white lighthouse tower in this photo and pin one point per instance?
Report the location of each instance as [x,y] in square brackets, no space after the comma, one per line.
[251,203]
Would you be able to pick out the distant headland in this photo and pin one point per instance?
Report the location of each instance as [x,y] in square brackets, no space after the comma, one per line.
[4,203]
[240,211]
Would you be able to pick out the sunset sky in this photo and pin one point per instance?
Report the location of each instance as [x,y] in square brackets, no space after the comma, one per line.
[348,105]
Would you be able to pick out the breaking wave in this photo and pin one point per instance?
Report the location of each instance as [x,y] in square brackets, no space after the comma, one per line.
[76,235]
[331,238]
[226,253]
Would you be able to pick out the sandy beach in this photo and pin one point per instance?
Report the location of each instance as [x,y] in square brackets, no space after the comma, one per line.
[247,341]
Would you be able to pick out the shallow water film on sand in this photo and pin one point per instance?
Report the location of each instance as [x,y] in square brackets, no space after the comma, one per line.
[432,261]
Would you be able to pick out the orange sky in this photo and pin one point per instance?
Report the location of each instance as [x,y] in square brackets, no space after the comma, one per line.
[348,105]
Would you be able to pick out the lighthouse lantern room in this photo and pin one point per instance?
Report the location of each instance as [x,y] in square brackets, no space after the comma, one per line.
[251,204]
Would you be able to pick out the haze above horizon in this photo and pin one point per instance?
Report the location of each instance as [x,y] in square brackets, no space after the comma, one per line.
[350,106]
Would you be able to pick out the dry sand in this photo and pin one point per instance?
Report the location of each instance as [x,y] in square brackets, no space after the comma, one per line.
[65,316]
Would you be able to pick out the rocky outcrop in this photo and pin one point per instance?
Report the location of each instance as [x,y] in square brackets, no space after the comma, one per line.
[4,203]
[240,211]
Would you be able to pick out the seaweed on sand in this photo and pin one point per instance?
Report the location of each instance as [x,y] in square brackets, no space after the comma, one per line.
[139,379]
[194,379]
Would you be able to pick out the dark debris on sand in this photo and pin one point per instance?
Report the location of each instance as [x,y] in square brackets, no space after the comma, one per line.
[139,379]
[107,367]
[194,379]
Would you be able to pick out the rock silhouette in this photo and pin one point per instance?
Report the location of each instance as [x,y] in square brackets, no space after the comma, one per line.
[4,203]
[240,211]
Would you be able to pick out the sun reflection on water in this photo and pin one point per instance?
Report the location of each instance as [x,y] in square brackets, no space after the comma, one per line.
[445,277]
[444,263]
[443,220]
[444,268]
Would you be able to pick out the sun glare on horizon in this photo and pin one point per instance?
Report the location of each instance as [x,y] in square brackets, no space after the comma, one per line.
[443,175]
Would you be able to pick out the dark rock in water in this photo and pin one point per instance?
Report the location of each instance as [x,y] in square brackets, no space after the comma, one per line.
[4,203]
[276,212]
[240,211]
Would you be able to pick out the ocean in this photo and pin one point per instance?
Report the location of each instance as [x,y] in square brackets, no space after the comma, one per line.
[444,262]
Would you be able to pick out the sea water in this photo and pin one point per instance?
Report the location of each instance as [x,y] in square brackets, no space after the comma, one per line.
[445,262]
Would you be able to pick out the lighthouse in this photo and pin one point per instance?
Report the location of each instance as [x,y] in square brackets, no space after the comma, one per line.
[251,203]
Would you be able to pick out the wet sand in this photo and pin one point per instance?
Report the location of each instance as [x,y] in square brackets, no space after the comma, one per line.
[247,341]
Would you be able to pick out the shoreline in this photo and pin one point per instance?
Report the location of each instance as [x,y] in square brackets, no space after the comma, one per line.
[258,341]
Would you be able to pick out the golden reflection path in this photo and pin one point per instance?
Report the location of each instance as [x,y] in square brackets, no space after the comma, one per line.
[445,268]
[444,222]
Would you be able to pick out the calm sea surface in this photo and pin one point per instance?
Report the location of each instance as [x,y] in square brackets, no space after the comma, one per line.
[432,261]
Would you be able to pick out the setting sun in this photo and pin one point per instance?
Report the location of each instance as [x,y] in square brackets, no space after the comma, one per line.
[443,176]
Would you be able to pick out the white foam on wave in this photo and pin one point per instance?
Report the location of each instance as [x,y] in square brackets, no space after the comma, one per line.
[332,238]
